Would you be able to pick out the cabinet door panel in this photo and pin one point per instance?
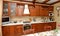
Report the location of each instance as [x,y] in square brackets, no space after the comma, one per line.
[12,9]
[53,25]
[37,27]
[12,32]
[5,9]
[20,9]
[18,30]
[49,26]
[34,11]
[37,8]
[44,11]
[51,8]
[5,31]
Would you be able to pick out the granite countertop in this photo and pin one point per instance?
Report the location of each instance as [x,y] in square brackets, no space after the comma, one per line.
[21,23]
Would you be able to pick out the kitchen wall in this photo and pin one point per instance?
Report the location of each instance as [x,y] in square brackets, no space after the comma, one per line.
[0,16]
[29,18]
[57,18]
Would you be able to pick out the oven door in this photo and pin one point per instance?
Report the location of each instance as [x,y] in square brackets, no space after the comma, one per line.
[27,26]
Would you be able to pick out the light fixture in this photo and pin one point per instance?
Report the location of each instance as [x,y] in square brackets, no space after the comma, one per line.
[58,9]
[26,9]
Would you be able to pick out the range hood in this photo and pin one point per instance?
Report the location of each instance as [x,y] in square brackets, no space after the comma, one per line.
[26,9]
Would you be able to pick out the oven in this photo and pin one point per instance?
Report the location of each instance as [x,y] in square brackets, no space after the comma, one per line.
[26,26]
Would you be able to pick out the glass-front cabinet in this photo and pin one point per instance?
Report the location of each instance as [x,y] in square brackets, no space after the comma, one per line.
[5,9]
[9,9]
[12,9]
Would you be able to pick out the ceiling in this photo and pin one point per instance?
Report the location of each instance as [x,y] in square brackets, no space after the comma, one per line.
[48,2]
[52,1]
[42,1]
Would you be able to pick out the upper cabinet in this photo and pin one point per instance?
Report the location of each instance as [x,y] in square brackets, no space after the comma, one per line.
[34,11]
[12,9]
[51,8]
[9,9]
[20,9]
[17,9]
[37,10]
[5,9]
[44,10]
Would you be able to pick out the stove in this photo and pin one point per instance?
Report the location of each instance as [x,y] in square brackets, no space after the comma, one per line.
[26,26]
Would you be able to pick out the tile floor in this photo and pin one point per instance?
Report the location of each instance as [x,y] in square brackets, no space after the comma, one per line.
[47,33]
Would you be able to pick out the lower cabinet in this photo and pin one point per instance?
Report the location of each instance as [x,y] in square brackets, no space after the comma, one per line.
[12,30]
[43,27]
[18,30]
[49,26]
[5,31]
[37,27]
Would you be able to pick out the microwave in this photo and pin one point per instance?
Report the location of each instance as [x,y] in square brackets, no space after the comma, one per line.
[5,19]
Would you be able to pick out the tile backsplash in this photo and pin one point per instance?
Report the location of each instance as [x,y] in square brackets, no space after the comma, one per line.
[31,19]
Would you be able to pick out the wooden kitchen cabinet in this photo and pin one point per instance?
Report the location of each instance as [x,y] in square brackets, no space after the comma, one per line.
[34,11]
[44,10]
[18,30]
[9,8]
[5,9]
[5,31]
[41,27]
[20,10]
[12,30]
[12,8]
[49,26]
[37,10]
[51,8]
[37,27]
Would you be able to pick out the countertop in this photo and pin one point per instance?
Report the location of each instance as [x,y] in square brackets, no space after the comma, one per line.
[21,23]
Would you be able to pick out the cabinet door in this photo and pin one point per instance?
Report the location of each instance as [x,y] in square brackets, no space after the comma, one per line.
[44,11]
[18,30]
[51,8]
[12,9]
[49,26]
[5,9]
[53,25]
[5,31]
[32,11]
[20,9]
[12,32]
[37,27]
[37,10]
